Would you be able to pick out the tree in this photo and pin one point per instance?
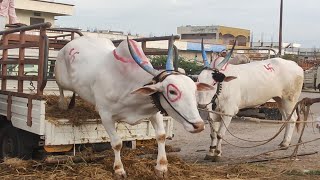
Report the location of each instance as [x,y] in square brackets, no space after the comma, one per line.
[291,57]
[191,68]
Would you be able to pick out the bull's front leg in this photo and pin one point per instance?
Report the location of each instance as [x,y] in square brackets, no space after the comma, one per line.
[220,135]
[116,144]
[162,163]
[214,122]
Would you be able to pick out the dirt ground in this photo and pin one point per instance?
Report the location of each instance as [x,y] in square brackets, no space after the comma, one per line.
[189,163]
[194,146]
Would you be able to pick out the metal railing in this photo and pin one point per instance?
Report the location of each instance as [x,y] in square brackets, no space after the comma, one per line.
[21,39]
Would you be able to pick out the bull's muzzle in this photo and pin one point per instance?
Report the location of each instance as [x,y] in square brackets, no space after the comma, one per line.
[198,127]
[202,106]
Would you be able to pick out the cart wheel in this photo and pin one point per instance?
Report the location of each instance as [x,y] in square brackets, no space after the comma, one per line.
[14,143]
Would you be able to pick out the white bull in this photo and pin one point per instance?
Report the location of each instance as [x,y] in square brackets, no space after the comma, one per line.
[111,79]
[249,85]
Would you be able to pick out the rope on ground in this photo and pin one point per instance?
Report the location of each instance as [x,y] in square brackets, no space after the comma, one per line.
[257,120]
[305,102]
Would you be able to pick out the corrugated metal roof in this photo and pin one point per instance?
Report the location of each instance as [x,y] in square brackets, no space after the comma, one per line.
[207,47]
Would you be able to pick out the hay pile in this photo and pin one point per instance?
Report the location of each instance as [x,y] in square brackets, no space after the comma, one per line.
[137,167]
[81,112]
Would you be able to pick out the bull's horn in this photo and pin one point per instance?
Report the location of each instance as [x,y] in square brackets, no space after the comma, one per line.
[227,58]
[204,55]
[169,63]
[176,58]
[147,67]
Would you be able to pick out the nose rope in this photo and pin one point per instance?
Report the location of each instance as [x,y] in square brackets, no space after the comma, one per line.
[177,111]
[213,100]
[156,96]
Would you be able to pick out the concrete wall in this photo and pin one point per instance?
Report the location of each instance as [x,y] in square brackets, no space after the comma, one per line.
[44,6]
[215,34]
[24,16]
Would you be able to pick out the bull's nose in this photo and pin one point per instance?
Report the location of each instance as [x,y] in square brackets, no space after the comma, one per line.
[202,106]
[198,127]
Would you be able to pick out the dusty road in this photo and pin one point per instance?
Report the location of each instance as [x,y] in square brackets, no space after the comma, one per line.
[194,146]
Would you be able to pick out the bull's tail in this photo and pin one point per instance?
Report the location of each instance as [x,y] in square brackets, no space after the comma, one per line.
[72,101]
[298,124]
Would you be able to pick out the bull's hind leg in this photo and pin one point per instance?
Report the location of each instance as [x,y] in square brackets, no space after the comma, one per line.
[162,163]
[62,102]
[214,122]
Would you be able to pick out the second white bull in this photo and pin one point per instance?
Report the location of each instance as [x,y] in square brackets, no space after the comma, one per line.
[245,86]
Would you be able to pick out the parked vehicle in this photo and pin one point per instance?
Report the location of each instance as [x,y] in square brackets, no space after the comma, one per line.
[317,79]
[28,56]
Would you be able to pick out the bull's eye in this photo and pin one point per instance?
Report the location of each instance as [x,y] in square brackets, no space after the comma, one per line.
[173,92]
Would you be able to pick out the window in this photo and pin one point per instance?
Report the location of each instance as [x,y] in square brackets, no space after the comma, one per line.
[36,20]
[37,14]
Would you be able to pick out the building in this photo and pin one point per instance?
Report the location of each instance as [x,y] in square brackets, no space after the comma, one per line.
[220,35]
[38,11]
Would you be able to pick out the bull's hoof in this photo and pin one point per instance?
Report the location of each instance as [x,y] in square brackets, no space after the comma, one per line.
[162,174]
[217,159]
[284,146]
[120,174]
[63,105]
[208,157]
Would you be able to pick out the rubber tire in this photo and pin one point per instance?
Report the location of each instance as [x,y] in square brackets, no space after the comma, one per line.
[15,143]
[272,114]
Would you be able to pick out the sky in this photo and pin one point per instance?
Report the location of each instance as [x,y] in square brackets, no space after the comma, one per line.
[162,17]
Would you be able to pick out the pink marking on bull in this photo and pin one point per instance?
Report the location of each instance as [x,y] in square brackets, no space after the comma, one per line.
[269,67]
[71,51]
[177,90]
[223,68]
[122,59]
[130,60]
[142,56]
[73,55]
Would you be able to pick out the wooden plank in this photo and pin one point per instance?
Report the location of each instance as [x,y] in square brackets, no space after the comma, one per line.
[28,37]
[16,46]
[21,60]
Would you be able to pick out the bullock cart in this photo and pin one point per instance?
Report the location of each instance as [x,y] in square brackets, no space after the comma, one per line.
[27,65]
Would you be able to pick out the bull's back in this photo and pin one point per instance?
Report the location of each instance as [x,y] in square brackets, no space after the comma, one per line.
[78,63]
[262,80]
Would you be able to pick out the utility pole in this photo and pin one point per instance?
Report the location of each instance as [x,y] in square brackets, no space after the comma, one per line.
[280,28]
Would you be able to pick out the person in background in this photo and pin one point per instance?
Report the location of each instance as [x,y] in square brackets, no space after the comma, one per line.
[7,10]
[223,53]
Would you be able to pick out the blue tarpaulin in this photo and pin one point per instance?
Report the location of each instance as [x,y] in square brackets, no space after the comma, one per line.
[207,47]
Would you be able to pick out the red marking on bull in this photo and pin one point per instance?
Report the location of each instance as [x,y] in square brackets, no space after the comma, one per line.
[177,96]
[269,67]
[72,54]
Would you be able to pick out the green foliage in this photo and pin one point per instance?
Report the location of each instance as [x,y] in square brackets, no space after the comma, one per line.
[291,57]
[191,68]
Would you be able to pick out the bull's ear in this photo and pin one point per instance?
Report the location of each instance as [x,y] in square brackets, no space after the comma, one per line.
[203,87]
[229,78]
[147,90]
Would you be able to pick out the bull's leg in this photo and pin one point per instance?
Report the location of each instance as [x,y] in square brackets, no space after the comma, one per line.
[62,103]
[220,135]
[214,122]
[162,163]
[116,144]
[288,107]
